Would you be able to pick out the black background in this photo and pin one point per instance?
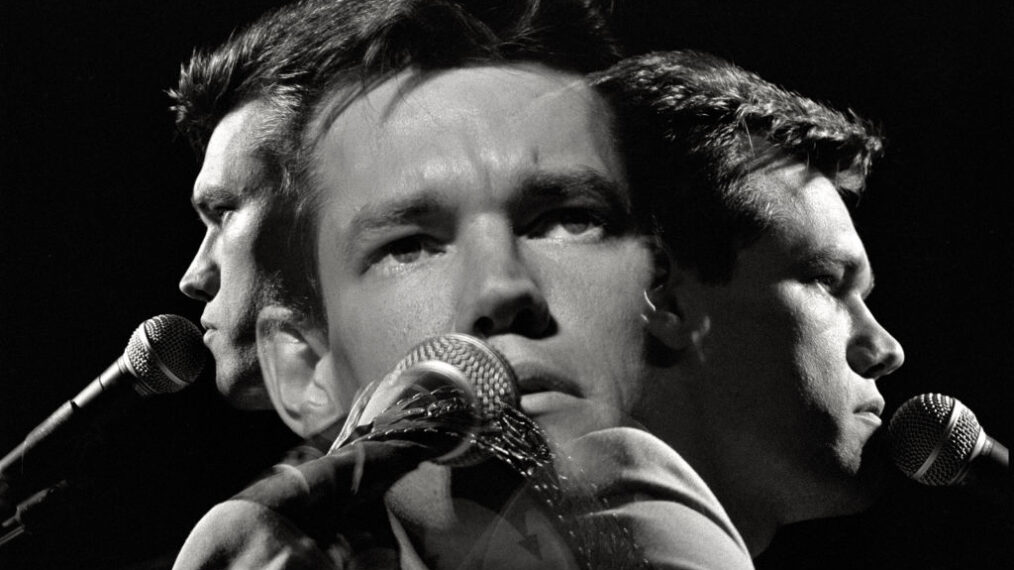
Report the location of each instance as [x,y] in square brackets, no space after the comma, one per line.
[97,229]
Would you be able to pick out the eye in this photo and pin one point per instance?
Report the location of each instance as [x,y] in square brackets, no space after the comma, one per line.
[217,213]
[830,280]
[570,223]
[222,215]
[406,251]
[224,209]
[827,280]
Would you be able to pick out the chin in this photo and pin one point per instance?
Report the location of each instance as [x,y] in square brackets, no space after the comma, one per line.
[574,417]
[242,386]
[862,479]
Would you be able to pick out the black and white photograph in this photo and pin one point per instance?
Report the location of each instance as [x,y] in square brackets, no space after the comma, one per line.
[488,284]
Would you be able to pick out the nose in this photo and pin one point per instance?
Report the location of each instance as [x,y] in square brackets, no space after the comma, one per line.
[201,280]
[501,295]
[873,352]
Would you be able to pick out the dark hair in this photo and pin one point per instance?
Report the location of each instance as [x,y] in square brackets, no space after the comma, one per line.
[692,126]
[290,56]
[215,82]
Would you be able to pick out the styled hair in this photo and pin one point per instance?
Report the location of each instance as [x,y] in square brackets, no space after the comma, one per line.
[290,55]
[691,127]
[242,69]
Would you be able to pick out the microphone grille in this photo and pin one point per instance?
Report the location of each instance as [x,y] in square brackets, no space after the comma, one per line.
[166,354]
[504,431]
[488,371]
[933,437]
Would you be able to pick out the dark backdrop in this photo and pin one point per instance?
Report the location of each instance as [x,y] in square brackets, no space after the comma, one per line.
[97,229]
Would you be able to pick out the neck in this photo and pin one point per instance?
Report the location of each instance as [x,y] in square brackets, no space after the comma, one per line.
[748,500]
[757,526]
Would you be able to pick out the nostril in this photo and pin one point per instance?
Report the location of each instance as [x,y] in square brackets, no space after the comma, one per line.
[531,323]
[875,371]
[484,327]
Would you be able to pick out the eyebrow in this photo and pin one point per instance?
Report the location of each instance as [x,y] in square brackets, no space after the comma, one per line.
[551,187]
[375,218]
[208,194]
[537,188]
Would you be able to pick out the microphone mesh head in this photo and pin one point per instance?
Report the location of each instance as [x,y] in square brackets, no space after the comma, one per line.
[483,423]
[919,434]
[486,369]
[166,354]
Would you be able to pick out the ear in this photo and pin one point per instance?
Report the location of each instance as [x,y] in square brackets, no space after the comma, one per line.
[670,315]
[298,372]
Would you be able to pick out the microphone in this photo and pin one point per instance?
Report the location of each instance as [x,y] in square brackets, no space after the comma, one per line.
[936,440]
[458,388]
[451,400]
[500,456]
[164,355]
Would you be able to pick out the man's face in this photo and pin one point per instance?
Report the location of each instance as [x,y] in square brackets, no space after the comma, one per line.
[793,352]
[488,201]
[232,196]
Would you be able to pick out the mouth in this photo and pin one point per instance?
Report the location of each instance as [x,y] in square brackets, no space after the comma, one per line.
[535,378]
[871,411]
[873,406]
[209,332]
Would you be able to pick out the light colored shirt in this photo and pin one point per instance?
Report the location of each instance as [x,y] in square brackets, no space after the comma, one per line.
[657,496]
[636,482]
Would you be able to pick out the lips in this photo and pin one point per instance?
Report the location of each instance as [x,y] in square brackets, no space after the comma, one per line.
[209,331]
[535,377]
[873,406]
[870,411]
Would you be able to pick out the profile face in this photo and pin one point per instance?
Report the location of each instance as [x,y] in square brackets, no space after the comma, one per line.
[232,197]
[793,353]
[488,201]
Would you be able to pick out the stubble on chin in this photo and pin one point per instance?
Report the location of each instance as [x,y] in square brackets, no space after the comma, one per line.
[239,380]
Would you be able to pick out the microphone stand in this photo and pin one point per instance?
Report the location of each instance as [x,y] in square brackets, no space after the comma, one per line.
[33,513]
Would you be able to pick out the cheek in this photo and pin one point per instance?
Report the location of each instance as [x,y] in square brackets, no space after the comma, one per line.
[375,325]
[246,225]
[599,307]
[820,358]
[241,277]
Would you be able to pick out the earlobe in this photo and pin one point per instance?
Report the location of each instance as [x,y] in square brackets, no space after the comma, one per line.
[298,372]
[663,323]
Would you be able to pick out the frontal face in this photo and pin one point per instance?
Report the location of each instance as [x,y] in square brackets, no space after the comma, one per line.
[487,201]
[231,195]
[793,351]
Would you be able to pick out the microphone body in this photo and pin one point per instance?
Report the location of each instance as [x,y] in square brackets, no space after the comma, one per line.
[936,440]
[164,355]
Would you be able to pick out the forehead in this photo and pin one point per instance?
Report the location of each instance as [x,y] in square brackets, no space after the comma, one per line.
[799,201]
[232,157]
[806,213]
[413,129]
